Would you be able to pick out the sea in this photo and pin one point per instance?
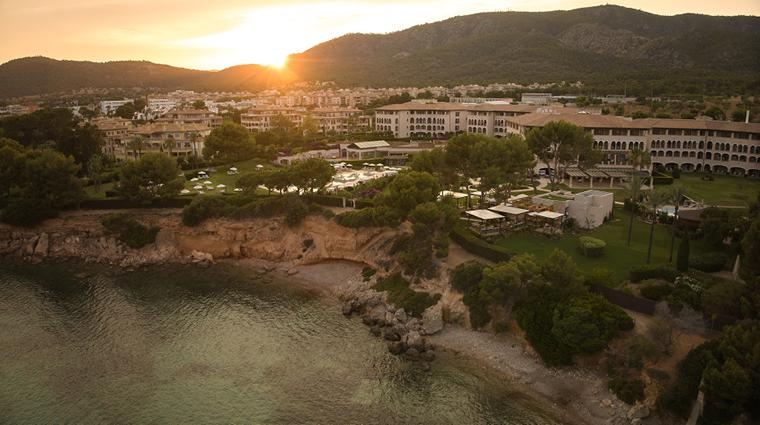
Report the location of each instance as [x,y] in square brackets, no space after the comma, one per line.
[180,345]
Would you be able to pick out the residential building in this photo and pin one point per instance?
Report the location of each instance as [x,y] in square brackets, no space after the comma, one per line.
[192,117]
[115,133]
[156,134]
[338,119]
[536,98]
[259,119]
[107,107]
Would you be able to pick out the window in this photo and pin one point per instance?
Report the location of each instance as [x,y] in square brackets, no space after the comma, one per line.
[656,131]
[674,132]
[635,133]
[456,114]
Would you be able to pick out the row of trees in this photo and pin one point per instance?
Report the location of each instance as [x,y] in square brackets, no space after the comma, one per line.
[309,175]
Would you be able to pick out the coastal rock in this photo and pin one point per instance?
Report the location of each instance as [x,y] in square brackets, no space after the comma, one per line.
[428,355]
[413,324]
[414,340]
[400,315]
[637,412]
[204,265]
[606,402]
[457,312]
[390,336]
[348,307]
[43,245]
[637,421]
[432,319]
[369,320]
[31,244]
[412,354]
[376,331]
[389,319]
[370,298]
[395,347]
[398,329]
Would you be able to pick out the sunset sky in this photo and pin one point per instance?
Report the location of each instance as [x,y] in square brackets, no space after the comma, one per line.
[218,34]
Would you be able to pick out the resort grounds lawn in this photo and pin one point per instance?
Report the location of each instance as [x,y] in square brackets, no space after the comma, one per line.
[220,177]
[617,256]
[724,191]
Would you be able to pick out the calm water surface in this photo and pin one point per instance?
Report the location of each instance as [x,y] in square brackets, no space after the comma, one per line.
[180,345]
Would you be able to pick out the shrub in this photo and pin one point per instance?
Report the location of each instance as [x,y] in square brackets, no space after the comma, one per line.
[628,391]
[295,210]
[315,208]
[627,289]
[354,219]
[602,277]
[328,213]
[400,243]
[412,261]
[307,243]
[115,223]
[367,273]
[239,199]
[676,172]
[441,247]
[204,207]
[402,296]
[111,194]
[28,212]
[656,292]
[657,374]
[592,247]
[678,398]
[474,245]
[662,271]
[709,263]
[137,236]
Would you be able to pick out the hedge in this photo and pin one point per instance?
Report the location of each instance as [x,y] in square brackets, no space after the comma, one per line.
[656,292]
[476,246]
[117,204]
[592,247]
[663,179]
[709,263]
[361,204]
[324,200]
[191,165]
[354,219]
[661,271]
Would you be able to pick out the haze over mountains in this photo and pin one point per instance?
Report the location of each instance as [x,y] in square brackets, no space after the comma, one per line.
[600,45]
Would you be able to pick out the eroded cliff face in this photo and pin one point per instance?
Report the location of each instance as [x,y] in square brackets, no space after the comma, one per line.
[79,235]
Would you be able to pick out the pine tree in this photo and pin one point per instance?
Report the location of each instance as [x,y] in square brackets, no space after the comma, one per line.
[682,262]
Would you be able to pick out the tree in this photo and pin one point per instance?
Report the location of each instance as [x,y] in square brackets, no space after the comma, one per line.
[193,137]
[249,182]
[310,128]
[137,144]
[126,111]
[560,270]
[409,189]
[9,150]
[716,113]
[154,176]
[677,194]
[639,158]
[313,173]
[461,156]
[513,158]
[94,168]
[229,143]
[52,176]
[140,104]
[282,127]
[633,193]
[655,200]
[560,144]
[81,142]
[682,262]
[199,104]
[169,144]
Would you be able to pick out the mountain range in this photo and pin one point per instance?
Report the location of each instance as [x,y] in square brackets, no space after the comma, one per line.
[599,45]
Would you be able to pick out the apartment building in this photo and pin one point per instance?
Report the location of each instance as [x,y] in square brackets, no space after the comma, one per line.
[156,134]
[413,119]
[160,104]
[192,117]
[109,106]
[338,119]
[259,119]
[115,133]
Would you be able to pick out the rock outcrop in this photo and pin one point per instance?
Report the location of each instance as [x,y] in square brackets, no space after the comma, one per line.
[79,235]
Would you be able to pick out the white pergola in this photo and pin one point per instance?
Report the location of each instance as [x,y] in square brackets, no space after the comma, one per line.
[505,210]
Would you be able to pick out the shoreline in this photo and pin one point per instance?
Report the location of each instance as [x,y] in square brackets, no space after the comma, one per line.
[566,393]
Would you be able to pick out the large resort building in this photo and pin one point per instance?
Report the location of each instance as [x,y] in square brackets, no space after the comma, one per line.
[693,145]
[329,119]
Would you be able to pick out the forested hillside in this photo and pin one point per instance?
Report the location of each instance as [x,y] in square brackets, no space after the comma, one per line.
[600,46]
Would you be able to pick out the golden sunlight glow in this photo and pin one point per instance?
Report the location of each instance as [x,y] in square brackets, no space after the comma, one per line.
[276,61]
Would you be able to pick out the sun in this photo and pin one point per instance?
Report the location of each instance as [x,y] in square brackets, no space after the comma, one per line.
[277,61]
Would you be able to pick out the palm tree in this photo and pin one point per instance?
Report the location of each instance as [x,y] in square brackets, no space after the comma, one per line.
[656,199]
[639,158]
[170,144]
[137,144]
[677,194]
[193,137]
[633,192]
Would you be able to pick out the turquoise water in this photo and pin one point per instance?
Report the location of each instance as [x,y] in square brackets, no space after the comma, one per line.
[179,345]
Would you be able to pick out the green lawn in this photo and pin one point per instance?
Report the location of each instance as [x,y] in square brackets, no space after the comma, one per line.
[724,191]
[220,177]
[618,256]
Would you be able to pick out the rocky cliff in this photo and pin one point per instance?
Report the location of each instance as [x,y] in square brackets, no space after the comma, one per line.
[79,235]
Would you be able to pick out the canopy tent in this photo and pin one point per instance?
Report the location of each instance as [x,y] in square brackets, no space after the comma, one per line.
[485,216]
[512,212]
[547,216]
[233,169]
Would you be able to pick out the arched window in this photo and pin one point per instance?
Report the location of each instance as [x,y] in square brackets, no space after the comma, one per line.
[708,155]
[751,149]
[676,154]
[699,155]
[743,158]
[684,154]
[606,145]
[624,146]
[691,154]
[668,144]
[734,157]
[661,153]
[725,157]
[678,144]
[701,144]
[752,159]
[669,154]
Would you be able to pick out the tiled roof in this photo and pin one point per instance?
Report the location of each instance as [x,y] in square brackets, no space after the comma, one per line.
[583,120]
